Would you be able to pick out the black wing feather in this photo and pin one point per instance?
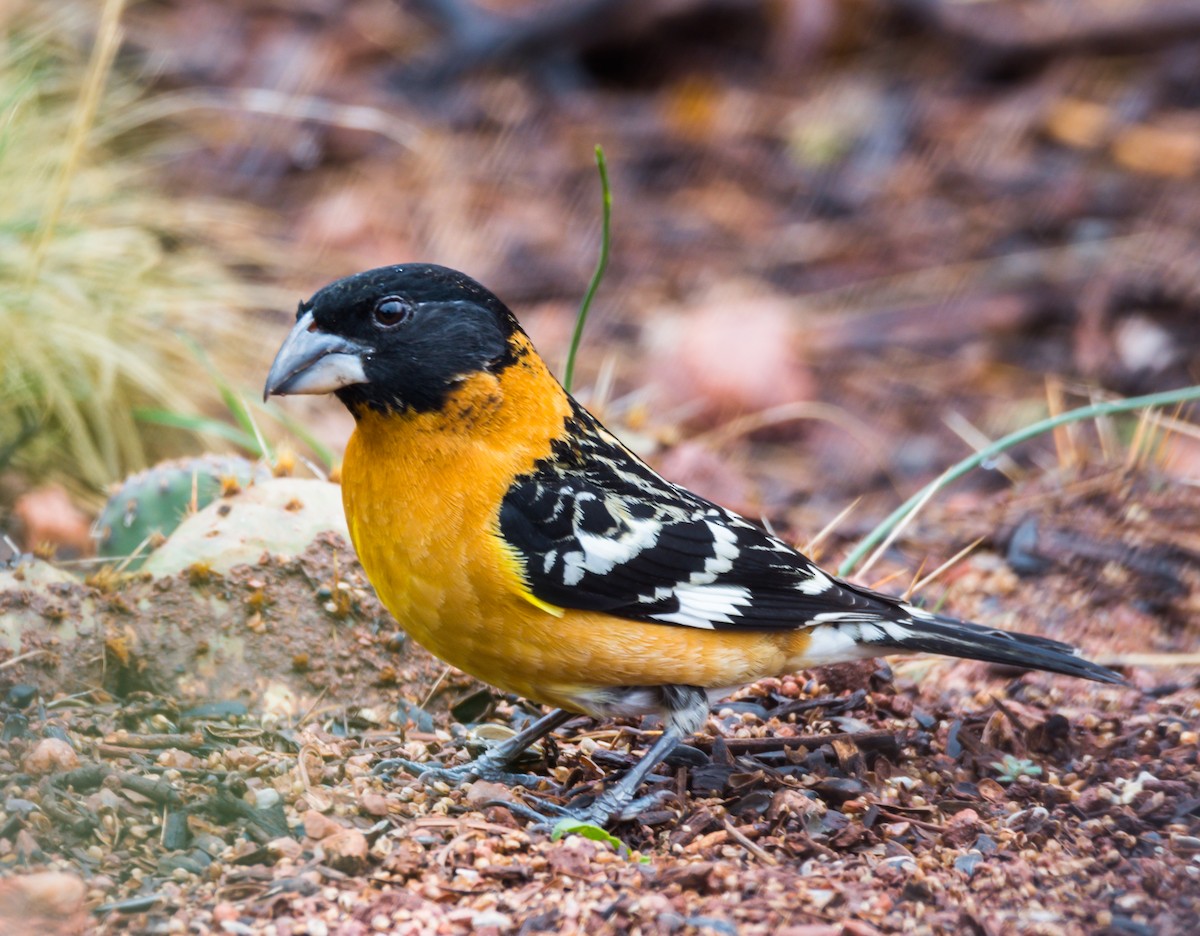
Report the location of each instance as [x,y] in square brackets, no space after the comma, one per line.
[597,529]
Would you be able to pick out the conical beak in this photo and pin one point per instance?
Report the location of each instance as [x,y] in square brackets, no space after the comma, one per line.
[313,361]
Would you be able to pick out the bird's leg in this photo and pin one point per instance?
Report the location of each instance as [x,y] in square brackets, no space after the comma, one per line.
[617,801]
[492,764]
[683,710]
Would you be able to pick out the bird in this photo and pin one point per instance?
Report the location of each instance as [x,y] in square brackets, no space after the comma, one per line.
[516,538]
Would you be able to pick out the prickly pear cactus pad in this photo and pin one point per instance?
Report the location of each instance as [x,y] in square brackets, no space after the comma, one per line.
[281,517]
[148,506]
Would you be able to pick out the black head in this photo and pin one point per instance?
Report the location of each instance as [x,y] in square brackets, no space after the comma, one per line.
[395,338]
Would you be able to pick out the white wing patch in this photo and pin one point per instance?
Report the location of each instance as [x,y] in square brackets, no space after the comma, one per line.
[898,631]
[844,617]
[868,625]
[815,583]
[706,605]
[599,555]
[725,551]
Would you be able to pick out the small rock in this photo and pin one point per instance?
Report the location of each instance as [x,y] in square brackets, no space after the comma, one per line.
[210,843]
[261,521]
[224,912]
[905,864]
[482,792]
[346,851]
[316,927]
[962,828]
[968,863]
[181,760]
[373,804]
[285,847]
[47,515]
[21,696]
[573,857]
[50,755]
[319,826]
[46,895]
[493,919]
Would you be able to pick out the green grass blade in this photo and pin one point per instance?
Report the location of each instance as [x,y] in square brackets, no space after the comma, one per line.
[597,276]
[201,425]
[249,436]
[235,403]
[1165,398]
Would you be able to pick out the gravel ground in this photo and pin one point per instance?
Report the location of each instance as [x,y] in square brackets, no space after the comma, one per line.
[930,796]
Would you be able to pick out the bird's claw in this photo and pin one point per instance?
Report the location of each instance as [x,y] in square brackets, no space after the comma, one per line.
[479,769]
[428,773]
[601,812]
[606,808]
[544,819]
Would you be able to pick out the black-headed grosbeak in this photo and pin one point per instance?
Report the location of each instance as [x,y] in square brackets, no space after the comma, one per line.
[516,538]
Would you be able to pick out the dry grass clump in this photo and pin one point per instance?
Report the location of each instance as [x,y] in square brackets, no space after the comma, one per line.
[104,277]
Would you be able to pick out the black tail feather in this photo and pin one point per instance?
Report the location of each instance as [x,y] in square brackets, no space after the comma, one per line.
[950,637]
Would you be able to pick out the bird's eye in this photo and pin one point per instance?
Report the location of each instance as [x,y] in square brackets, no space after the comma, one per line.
[391,312]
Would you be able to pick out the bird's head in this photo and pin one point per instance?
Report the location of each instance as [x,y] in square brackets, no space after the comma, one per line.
[395,338]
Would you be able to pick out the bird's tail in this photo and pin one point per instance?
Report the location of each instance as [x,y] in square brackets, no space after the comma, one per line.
[921,632]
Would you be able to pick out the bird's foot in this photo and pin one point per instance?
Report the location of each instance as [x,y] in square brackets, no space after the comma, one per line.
[493,765]
[613,806]
[601,812]
[482,768]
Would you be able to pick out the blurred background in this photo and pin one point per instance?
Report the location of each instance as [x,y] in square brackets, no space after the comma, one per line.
[852,241]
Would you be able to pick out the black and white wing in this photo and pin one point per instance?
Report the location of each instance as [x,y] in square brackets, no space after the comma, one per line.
[596,529]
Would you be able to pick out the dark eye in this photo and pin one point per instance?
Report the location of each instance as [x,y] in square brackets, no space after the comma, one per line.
[391,312]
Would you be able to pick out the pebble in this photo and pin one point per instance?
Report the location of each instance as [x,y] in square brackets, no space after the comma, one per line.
[316,927]
[54,894]
[491,918]
[21,695]
[50,755]
[346,851]
[373,804]
[968,863]
[319,826]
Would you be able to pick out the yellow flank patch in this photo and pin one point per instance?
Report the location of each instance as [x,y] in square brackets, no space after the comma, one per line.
[542,605]
[520,585]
